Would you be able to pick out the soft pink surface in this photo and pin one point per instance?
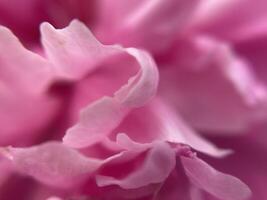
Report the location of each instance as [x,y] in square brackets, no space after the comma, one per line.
[80,119]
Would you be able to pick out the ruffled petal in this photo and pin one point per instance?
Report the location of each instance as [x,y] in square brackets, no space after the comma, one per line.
[213,88]
[73,46]
[216,183]
[159,162]
[85,48]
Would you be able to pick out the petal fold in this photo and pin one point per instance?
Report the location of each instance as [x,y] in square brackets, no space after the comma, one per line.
[75,44]
[159,162]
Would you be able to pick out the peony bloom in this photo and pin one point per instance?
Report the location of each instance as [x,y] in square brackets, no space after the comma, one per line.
[83,120]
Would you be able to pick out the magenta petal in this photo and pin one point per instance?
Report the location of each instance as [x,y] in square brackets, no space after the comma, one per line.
[159,162]
[216,183]
[53,163]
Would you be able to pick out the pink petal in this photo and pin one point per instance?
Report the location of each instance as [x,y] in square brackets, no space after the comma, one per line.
[139,89]
[234,101]
[159,162]
[20,68]
[162,123]
[218,184]
[25,77]
[97,120]
[73,46]
[141,24]
[53,163]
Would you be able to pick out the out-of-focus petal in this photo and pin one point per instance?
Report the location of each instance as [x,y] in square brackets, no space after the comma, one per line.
[144,23]
[254,51]
[5,170]
[216,183]
[21,68]
[54,198]
[176,186]
[159,162]
[24,17]
[53,163]
[249,161]
[232,20]
[24,79]
[213,88]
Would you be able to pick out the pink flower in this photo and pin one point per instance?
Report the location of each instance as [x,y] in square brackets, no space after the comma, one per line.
[109,148]
[130,140]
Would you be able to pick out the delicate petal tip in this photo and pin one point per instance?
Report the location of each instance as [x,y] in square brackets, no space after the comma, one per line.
[220,185]
[96,121]
[76,45]
[140,91]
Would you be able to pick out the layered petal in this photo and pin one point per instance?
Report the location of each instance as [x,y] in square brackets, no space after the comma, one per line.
[158,163]
[140,88]
[161,123]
